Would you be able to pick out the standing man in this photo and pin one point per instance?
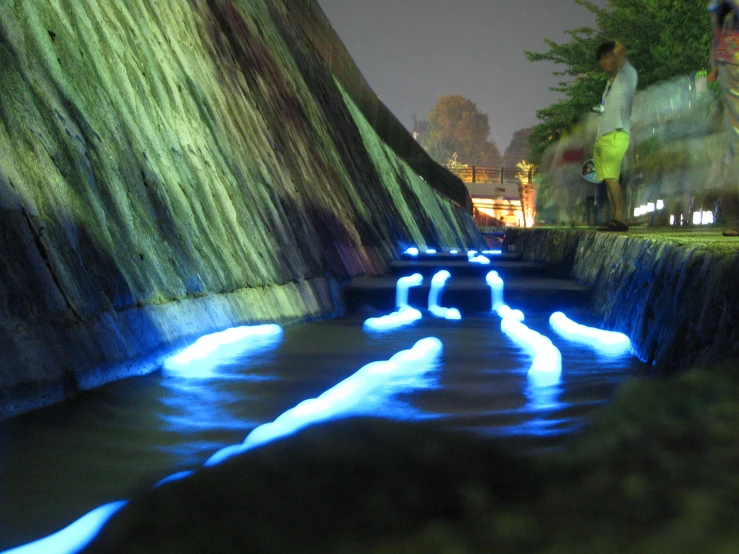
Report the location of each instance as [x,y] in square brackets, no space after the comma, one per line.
[613,128]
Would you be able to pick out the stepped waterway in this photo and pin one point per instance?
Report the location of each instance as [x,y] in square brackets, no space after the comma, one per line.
[61,462]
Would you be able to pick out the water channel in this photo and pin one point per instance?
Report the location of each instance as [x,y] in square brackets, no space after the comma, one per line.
[61,462]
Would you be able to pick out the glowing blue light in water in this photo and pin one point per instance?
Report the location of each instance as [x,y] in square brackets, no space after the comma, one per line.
[454,251]
[546,366]
[174,477]
[412,252]
[482,260]
[402,286]
[452,314]
[543,398]
[493,252]
[404,316]
[496,289]
[430,251]
[506,311]
[437,284]
[199,359]
[606,342]
[471,253]
[74,537]
[406,368]
[545,373]
[342,398]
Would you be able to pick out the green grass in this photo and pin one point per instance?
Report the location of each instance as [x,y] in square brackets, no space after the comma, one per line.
[709,239]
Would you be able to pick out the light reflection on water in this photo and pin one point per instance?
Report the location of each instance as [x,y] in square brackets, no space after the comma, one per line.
[543,398]
[133,433]
[408,368]
[206,403]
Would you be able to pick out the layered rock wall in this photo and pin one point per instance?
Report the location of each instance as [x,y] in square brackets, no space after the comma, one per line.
[169,169]
[679,303]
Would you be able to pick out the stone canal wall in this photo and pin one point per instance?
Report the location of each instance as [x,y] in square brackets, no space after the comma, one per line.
[169,169]
[678,300]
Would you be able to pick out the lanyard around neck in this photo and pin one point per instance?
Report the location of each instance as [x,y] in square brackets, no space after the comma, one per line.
[608,89]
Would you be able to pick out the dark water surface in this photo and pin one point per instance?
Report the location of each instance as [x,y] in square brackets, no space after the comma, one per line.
[61,462]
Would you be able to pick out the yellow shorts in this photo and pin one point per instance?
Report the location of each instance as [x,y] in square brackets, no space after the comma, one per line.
[608,154]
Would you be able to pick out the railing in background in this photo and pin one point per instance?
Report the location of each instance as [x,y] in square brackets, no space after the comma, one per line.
[522,176]
[484,174]
[309,17]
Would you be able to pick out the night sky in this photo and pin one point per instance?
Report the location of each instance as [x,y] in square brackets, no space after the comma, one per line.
[413,51]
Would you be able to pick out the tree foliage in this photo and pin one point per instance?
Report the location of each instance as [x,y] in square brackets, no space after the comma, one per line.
[518,149]
[455,125]
[664,39]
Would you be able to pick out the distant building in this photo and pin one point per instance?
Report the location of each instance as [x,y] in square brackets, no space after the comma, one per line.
[496,194]
[496,204]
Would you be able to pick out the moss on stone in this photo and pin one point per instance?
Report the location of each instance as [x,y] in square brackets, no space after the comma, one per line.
[159,153]
[672,292]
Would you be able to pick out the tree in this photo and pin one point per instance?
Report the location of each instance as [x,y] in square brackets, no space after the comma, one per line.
[455,125]
[518,149]
[664,38]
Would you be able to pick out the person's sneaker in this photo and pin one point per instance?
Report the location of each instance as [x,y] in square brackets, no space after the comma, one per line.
[615,226]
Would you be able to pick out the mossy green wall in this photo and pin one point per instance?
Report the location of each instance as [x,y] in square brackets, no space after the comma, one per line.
[172,168]
[674,293]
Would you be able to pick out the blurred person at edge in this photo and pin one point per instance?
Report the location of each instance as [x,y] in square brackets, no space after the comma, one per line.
[725,64]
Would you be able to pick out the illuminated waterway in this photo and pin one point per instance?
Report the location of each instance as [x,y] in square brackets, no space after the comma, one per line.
[59,463]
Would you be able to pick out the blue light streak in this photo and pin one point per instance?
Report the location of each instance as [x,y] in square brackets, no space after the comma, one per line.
[482,260]
[199,360]
[74,537]
[402,286]
[430,251]
[609,343]
[407,368]
[404,316]
[545,373]
[347,396]
[437,284]
[493,252]
[452,314]
[454,251]
[496,285]
[546,366]
[196,361]
[174,477]
[411,252]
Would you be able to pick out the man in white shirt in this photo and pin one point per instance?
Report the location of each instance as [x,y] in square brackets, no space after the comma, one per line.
[613,128]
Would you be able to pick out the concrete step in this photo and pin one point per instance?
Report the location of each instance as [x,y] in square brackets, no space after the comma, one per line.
[446,257]
[506,267]
[470,295]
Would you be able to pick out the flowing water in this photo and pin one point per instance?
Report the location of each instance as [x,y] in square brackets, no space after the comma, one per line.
[61,462]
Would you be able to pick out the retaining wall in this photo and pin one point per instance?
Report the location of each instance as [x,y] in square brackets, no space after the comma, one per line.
[679,304]
[169,169]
